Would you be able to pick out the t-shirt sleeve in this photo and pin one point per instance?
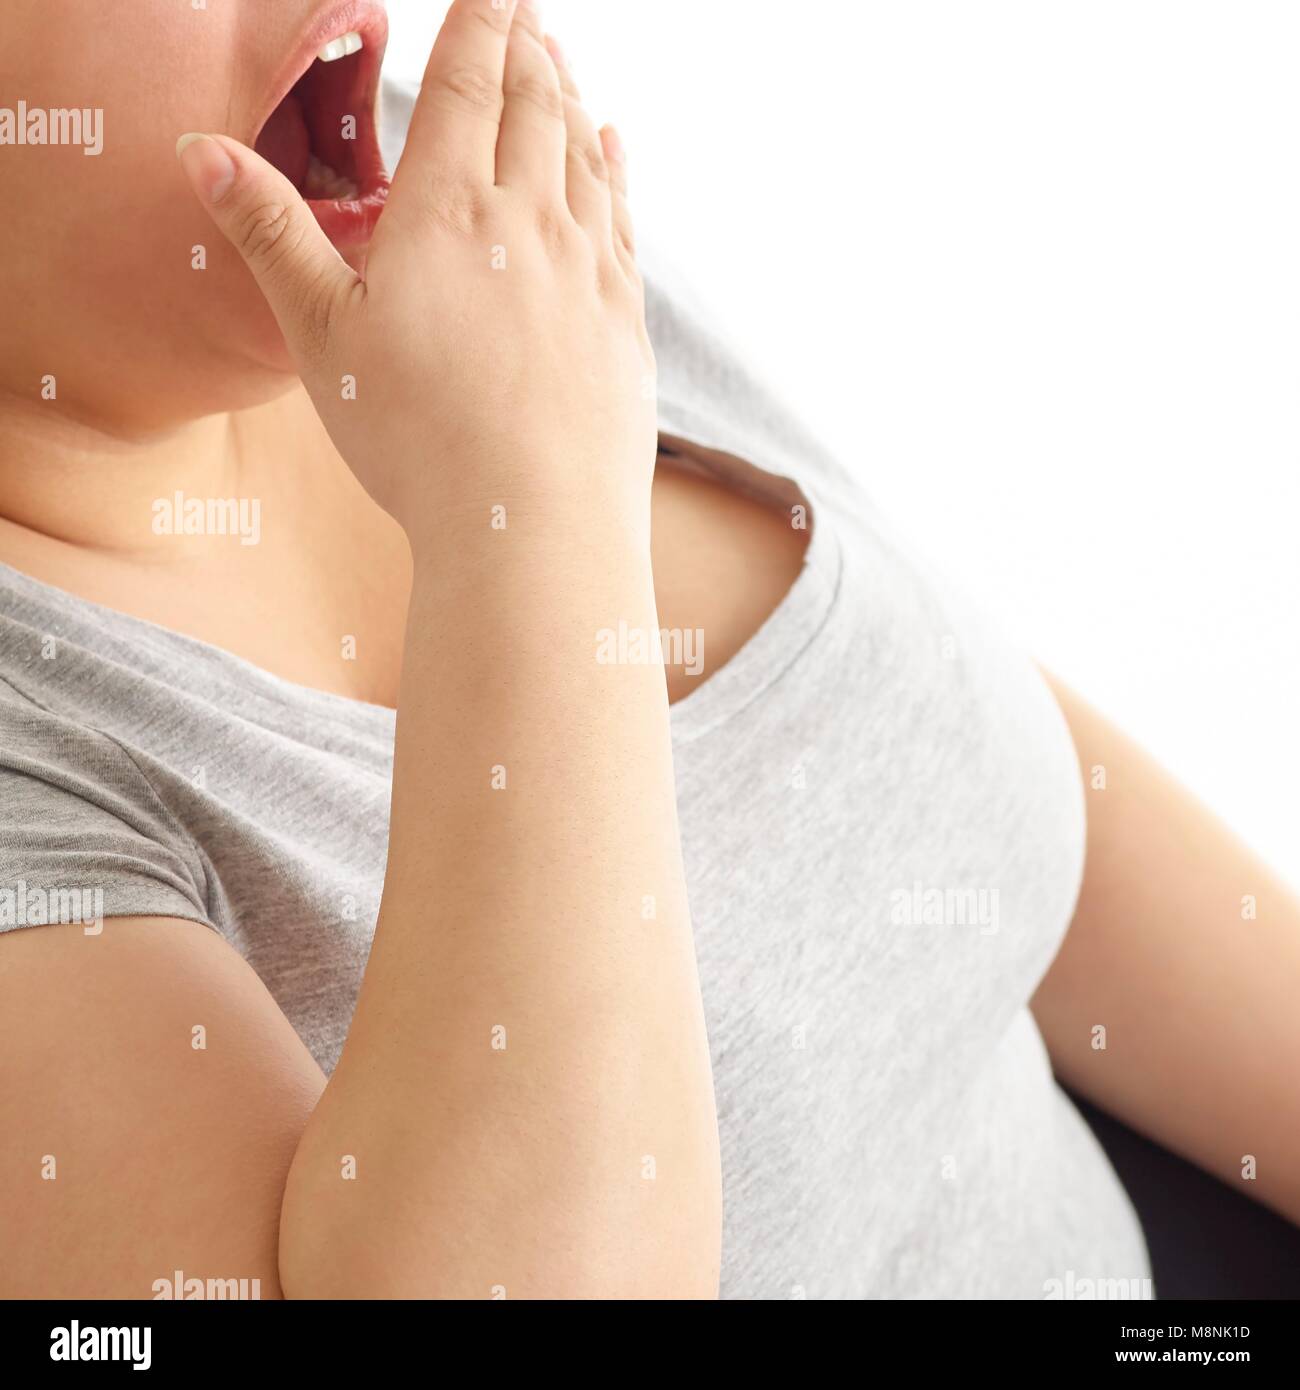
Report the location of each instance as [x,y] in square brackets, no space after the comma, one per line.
[83,835]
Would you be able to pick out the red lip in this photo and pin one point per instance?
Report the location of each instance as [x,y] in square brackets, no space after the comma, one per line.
[305,118]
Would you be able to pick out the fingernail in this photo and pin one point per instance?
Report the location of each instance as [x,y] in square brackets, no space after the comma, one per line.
[616,145]
[556,52]
[208,167]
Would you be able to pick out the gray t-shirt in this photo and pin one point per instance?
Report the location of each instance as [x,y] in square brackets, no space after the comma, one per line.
[883,827]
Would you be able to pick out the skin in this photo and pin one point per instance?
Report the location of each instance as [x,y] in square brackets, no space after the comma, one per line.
[482,1170]
[1197,998]
[406,497]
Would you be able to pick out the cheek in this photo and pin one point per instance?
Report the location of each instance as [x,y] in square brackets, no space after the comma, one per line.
[112,254]
[126,256]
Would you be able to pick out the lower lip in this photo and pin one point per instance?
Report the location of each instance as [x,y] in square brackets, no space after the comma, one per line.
[350,224]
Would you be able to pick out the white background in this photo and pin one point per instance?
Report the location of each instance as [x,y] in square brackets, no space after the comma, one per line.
[1033,268]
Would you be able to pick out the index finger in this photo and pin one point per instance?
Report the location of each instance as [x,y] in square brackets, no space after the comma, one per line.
[457,118]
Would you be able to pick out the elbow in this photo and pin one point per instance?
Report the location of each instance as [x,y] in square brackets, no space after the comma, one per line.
[379,1258]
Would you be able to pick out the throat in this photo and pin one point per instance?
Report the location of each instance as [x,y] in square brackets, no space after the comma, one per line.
[249,534]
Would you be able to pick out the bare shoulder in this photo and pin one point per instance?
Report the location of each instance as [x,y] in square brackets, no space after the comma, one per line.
[723,562]
[152,1099]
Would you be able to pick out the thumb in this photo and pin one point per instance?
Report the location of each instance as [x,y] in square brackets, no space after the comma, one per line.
[265,219]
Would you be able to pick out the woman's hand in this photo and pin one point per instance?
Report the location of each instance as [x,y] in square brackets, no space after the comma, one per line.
[497,341]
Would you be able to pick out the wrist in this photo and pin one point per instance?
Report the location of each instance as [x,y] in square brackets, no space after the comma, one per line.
[528,527]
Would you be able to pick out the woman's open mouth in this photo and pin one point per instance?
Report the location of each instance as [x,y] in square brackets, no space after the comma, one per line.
[322,136]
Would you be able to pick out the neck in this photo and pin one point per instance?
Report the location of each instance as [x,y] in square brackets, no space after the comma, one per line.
[69,483]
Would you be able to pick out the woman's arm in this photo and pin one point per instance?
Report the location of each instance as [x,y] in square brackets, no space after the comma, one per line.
[1185,949]
[525,1085]
[524,1103]
[152,1097]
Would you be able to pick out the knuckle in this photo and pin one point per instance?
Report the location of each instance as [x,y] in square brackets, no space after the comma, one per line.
[459,206]
[626,234]
[317,311]
[620,281]
[588,157]
[472,89]
[528,27]
[612,280]
[556,230]
[488,14]
[536,89]
[267,234]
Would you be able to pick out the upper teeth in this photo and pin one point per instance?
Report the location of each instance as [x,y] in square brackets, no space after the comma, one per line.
[341,47]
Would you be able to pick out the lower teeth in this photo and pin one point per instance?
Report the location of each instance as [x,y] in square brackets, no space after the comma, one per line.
[324,183]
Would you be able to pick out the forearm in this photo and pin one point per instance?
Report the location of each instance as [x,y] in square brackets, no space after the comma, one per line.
[526,1084]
